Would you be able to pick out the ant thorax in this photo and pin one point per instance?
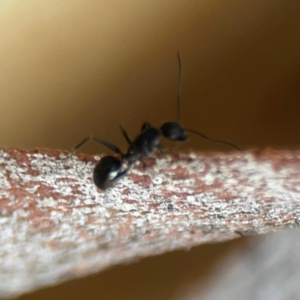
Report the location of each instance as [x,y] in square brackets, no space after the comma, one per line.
[144,145]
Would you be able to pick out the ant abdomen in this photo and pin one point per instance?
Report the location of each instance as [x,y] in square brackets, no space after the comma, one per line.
[106,171]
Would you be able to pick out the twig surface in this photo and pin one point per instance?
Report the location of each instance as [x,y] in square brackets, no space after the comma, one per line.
[55,224]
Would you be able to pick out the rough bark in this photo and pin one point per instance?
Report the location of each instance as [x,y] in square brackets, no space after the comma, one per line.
[56,225]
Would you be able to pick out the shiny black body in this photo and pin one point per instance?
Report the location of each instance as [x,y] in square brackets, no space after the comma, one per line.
[108,171]
[144,144]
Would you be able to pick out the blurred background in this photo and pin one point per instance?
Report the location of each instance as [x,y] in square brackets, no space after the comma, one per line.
[71,68]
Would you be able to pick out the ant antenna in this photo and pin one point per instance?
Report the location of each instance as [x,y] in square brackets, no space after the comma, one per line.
[179,85]
[213,140]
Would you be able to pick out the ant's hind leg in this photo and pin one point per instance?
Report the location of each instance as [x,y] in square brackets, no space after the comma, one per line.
[108,145]
[97,140]
[79,145]
[112,182]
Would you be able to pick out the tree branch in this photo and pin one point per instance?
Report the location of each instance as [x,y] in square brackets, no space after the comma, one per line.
[56,225]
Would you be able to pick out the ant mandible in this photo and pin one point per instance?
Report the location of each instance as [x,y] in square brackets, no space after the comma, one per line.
[111,169]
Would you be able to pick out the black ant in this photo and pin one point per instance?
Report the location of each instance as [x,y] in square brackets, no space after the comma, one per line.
[110,169]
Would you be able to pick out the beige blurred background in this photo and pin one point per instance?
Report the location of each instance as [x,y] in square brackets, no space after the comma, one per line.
[71,68]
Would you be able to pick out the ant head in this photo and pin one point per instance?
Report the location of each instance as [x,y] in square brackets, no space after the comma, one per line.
[173,131]
[106,171]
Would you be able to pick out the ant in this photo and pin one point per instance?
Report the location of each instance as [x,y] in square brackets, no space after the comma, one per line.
[111,169]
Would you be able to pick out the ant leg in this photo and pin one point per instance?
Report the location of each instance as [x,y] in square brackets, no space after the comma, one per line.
[151,173]
[79,145]
[213,140]
[123,173]
[143,165]
[97,140]
[120,175]
[126,135]
[108,145]
[117,178]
